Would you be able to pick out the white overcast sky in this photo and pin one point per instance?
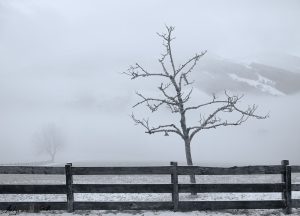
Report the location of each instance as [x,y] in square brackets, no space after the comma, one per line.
[96,31]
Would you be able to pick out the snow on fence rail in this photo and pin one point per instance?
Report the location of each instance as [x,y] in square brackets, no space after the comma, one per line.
[285,187]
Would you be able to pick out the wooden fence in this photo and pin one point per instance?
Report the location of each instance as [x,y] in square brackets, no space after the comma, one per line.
[285,188]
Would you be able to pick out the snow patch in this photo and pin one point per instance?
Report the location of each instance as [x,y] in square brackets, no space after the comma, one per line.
[262,83]
[248,66]
[265,80]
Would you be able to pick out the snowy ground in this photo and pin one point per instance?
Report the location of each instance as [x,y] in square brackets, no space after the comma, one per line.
[59,179]
[296,212]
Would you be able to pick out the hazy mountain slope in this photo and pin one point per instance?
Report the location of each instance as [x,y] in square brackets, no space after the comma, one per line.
[279,60]
[216,74]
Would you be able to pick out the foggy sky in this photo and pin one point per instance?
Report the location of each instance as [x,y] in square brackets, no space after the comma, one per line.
[61,62]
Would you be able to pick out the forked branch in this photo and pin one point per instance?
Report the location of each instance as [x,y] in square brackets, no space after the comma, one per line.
[136,71]
[168,128]
[154,103]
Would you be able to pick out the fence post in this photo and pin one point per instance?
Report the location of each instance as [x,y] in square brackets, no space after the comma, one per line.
[286,178]
[174,181]
[289,189]
[69,186]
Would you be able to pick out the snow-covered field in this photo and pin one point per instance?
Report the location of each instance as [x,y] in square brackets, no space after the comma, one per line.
[59,179]
[159,213]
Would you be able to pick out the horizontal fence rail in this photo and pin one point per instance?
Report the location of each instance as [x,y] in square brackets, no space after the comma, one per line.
[218,205]
[158,170]
[182,170]
[33,189]
[295,187]
[247,170]
[31,170]
[295,169]
[123,206]
[122,188]
[33,206]
[230,188]
[296,203]
[174,188]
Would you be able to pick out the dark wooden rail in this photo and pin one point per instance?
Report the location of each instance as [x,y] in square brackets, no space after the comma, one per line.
[246,170]
[285,188]
[155,170]
[32,170]
[32,189]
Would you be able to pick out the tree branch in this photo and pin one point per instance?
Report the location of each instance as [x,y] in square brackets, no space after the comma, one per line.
[163,89]
[138,71]
[153,106]
[168,128]
[212,120]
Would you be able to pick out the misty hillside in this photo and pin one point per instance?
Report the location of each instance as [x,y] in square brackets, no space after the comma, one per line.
[213,75]
[217,74]
[280,60]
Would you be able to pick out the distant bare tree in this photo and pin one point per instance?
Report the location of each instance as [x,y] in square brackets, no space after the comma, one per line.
[49,140]
[176,90]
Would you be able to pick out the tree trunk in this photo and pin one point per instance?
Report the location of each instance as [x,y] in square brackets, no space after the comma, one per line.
[52,157]
[189,161]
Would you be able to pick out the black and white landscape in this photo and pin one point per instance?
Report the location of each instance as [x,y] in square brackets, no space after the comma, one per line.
[62,79]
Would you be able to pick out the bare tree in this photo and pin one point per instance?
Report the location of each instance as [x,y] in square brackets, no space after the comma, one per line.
[175,93]
[49,140]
